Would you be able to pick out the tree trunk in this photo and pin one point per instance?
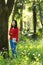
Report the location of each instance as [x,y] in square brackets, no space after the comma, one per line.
[15,9]
[5,11]
[34,18]
[4,34]
[40,13]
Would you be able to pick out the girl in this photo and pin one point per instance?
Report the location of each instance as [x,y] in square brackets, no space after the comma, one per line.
[13,36]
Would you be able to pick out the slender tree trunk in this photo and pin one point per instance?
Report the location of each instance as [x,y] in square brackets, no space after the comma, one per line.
[40,13]
[15,9]
[34,18]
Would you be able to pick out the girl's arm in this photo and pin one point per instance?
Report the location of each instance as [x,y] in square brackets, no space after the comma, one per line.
[18,34]
[10,32]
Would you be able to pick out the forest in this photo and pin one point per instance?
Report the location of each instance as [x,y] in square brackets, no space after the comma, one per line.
[29,16]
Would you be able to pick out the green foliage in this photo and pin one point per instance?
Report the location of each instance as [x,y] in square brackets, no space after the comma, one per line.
[29,53]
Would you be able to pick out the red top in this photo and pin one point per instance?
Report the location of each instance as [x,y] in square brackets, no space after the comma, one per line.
[14,33]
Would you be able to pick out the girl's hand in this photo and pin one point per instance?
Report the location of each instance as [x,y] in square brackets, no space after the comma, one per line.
[10,33]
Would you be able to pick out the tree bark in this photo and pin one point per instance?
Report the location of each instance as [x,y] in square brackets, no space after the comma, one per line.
[15,9]
[34,18]
[5,11]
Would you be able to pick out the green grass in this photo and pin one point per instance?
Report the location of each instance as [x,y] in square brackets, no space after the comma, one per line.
[30,52]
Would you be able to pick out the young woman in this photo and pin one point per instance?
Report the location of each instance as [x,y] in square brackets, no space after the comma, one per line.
[13,36]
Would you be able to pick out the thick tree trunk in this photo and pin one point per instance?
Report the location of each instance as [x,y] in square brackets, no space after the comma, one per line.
[5,11]
[4,31]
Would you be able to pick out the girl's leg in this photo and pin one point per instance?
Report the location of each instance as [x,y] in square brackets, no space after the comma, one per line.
[15,52]
[13,47]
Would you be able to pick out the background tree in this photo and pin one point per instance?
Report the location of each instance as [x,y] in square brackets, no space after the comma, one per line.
[34,17]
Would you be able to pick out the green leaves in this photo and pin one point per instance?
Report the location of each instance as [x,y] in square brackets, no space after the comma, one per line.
[29,53]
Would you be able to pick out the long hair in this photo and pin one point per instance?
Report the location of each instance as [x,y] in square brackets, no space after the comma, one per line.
[15,24]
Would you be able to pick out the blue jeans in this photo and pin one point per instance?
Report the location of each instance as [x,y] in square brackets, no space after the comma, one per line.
[13,47]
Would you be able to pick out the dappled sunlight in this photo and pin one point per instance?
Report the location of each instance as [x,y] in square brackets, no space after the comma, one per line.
[21,33]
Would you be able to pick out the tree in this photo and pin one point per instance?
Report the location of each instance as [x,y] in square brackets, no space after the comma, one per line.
[5,11]
[34,17]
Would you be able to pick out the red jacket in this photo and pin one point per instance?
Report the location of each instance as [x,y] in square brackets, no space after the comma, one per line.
[14,33]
